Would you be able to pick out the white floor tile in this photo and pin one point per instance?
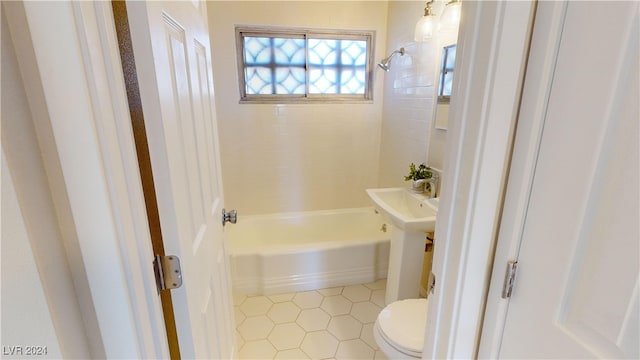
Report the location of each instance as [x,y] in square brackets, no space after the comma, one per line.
[296,354]
[238,315]
[278,298]
[239,340]
[345,327]
[256,327]
[356,293]
[320,324]
[354,349]
[377,297]
[379,355]
[331,291]
[308,299]
[319,345]
[366,312]
[260,349]
[256,305]
[283,312]
[336,305]
[238,299]
[313,319]
[367,336]
[286,336]
[377,285]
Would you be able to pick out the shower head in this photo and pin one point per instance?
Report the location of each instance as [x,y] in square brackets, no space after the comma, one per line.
[385,64]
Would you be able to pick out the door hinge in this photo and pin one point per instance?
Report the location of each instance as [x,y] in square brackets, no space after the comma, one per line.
[509,279]
[168,272]
[432,282]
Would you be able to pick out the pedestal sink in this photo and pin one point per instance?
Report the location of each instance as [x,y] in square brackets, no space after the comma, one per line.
[412,216]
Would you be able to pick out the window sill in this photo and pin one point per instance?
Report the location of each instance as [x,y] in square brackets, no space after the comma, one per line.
[306,100]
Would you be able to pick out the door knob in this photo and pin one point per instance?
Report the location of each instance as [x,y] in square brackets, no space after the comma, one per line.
[231,216]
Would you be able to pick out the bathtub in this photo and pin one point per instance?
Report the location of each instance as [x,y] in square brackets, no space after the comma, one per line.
[301,251]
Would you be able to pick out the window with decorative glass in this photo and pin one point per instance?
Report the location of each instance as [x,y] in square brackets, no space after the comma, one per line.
[294,65]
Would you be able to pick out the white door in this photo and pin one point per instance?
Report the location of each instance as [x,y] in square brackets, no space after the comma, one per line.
[576,292]
[172,55]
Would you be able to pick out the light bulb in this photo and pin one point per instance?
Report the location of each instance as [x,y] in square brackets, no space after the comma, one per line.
[424,28]
[451,15]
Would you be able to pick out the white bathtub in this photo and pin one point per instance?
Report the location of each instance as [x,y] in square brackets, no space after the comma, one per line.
[307,250]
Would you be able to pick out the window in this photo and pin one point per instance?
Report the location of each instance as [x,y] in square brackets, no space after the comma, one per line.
[446,73]
[294,65]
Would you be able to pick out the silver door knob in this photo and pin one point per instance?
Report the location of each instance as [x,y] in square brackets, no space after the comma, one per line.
[231,216]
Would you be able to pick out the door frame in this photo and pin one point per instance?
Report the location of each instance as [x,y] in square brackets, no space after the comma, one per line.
[492,52]
[95,169]
[82,120]
[545,47]
[545,44]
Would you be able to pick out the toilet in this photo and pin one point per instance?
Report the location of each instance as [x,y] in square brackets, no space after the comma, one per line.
[400,327]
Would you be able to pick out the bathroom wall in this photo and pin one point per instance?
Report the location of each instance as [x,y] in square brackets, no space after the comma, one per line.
[438,138]
[40,305]
[22,293]
[408,95]
[284,157]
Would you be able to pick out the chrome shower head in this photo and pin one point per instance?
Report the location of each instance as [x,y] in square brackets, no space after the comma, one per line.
[385,64]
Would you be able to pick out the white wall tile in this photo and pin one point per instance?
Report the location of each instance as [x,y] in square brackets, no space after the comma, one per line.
[295,157]
[408,96]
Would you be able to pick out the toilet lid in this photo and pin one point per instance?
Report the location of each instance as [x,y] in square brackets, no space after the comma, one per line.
[403,324]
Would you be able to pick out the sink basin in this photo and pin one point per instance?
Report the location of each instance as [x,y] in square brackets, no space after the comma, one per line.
[434,203]
[406,210]
[412,216]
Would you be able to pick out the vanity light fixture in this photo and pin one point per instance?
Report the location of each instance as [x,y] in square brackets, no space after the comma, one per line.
[385,64]
[426,25]
[451,15]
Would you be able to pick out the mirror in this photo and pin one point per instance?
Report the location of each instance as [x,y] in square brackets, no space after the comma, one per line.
[444,58]
[445,80]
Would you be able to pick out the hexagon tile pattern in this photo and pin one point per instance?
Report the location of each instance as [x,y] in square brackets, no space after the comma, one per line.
[318,324]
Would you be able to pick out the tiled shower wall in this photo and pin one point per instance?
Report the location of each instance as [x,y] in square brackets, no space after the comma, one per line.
[281,158]
[408,95]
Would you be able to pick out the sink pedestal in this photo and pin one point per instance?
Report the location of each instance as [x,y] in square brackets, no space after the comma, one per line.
[412,216]
[405,265]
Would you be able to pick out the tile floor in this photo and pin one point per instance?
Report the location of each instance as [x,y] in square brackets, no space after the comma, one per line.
[335,323]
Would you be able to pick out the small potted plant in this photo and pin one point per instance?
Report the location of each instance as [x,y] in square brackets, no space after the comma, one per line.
[419,176]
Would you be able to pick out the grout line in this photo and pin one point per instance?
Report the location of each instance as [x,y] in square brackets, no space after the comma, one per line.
[325,329]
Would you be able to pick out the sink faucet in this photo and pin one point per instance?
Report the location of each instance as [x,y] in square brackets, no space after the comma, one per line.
[432,184]
[421,185]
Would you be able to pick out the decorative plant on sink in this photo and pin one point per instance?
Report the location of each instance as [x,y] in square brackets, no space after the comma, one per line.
[419,177]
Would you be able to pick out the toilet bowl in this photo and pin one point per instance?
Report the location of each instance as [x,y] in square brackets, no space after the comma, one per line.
[399,329]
